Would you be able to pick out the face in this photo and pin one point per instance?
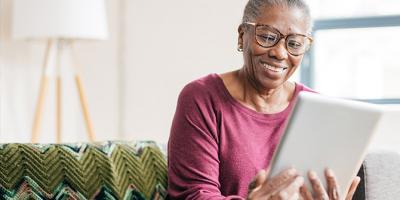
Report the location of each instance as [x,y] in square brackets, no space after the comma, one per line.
[269,68]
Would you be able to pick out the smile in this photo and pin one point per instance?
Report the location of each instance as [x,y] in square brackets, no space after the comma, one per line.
[274,68]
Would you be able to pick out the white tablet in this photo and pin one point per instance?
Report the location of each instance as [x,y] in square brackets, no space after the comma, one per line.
[327,132]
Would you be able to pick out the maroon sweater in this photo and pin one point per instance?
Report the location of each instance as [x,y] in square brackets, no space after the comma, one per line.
[217,145]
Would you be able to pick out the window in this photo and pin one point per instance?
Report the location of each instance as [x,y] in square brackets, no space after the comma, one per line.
[328,9]
[358,63]
[355,57]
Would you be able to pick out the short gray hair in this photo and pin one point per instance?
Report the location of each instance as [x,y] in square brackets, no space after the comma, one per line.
[253,8]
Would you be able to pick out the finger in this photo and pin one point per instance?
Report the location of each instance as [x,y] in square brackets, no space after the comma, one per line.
[305,193]
[353,188]
[279,180]
[317,186]
[278,196]
[295,196]
[333,187]
[258,180]
[261,177]
[266,175]
[289,190]
[293,188]
[271,187]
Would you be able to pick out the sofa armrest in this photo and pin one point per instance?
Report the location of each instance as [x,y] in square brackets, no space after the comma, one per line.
[380,176]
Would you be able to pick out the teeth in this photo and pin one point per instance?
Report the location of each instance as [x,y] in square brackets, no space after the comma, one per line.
[272,68]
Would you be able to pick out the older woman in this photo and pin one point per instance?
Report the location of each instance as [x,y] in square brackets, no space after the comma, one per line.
[227,126]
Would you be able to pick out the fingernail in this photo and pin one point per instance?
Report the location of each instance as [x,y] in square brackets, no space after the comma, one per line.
[292,171]
[329,172]
[295,196]
[335,193]
[299,180]
[283,195]
[312,175]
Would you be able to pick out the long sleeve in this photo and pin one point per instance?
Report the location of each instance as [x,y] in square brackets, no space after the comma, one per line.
[193,148]
[217,145]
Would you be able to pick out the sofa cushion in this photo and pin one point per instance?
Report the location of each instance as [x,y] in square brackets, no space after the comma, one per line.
[110,170]
[382,175]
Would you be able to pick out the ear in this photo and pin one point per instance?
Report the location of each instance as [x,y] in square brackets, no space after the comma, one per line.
[240,36]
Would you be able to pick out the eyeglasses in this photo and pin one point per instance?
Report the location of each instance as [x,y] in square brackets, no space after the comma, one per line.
[268,36]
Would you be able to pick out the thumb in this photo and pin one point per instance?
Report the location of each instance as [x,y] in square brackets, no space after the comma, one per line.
[259,179]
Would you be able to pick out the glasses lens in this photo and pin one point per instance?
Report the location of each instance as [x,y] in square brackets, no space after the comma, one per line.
[297,44]
[266,37]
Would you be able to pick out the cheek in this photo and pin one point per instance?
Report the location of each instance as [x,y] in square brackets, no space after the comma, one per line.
[251,59]
[248,55]
[252,54]
[251,48]
[295,61]
[259,51]
[295,64]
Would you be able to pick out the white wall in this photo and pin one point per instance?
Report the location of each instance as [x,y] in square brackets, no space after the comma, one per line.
[131,80]
[167,44]
[20,67]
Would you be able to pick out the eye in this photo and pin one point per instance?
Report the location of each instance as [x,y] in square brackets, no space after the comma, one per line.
[294,44]
[267,37]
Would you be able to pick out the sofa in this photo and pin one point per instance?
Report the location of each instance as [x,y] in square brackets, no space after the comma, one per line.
[108,170]
[380,176]
[132,170]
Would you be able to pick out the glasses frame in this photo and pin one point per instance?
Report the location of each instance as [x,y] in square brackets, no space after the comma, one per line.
[281,36]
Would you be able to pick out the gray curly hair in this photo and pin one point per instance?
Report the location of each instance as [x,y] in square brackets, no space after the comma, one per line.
[253,8]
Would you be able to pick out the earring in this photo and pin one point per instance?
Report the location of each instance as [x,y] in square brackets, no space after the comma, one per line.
[240,48]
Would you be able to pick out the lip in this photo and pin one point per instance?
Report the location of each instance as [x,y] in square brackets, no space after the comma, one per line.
[273,67]
[272,71]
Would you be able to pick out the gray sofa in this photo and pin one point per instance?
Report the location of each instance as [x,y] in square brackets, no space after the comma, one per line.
[380,175]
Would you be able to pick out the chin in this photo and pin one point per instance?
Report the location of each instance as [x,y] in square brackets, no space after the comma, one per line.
[271,84]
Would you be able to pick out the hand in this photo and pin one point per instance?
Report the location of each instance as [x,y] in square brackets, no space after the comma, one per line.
[353,188]
[332,192]
[285,185]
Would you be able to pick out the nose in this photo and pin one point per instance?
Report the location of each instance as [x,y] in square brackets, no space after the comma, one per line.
[278,51]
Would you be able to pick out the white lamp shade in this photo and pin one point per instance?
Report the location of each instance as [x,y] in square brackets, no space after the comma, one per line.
[67,19]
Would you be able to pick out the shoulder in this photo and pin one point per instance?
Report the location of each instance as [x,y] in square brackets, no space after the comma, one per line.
[202,88]
[200,100]
[299,87]
[302,88]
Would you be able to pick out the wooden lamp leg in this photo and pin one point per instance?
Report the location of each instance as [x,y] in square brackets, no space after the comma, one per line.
[42,94]
[84,104]
[82,98]
[58,93]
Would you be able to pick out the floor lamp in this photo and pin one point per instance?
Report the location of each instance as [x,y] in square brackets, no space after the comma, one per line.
[60,23]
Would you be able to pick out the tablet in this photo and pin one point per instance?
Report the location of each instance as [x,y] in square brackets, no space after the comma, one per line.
[327,132]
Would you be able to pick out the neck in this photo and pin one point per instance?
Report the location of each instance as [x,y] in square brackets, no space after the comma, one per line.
[263,100]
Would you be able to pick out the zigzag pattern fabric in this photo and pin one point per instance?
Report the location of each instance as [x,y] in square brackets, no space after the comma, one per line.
[111,170]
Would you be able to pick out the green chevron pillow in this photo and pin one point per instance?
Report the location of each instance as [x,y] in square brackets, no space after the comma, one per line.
[110,170]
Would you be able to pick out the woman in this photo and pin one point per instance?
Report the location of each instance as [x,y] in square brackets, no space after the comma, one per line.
[226,126]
